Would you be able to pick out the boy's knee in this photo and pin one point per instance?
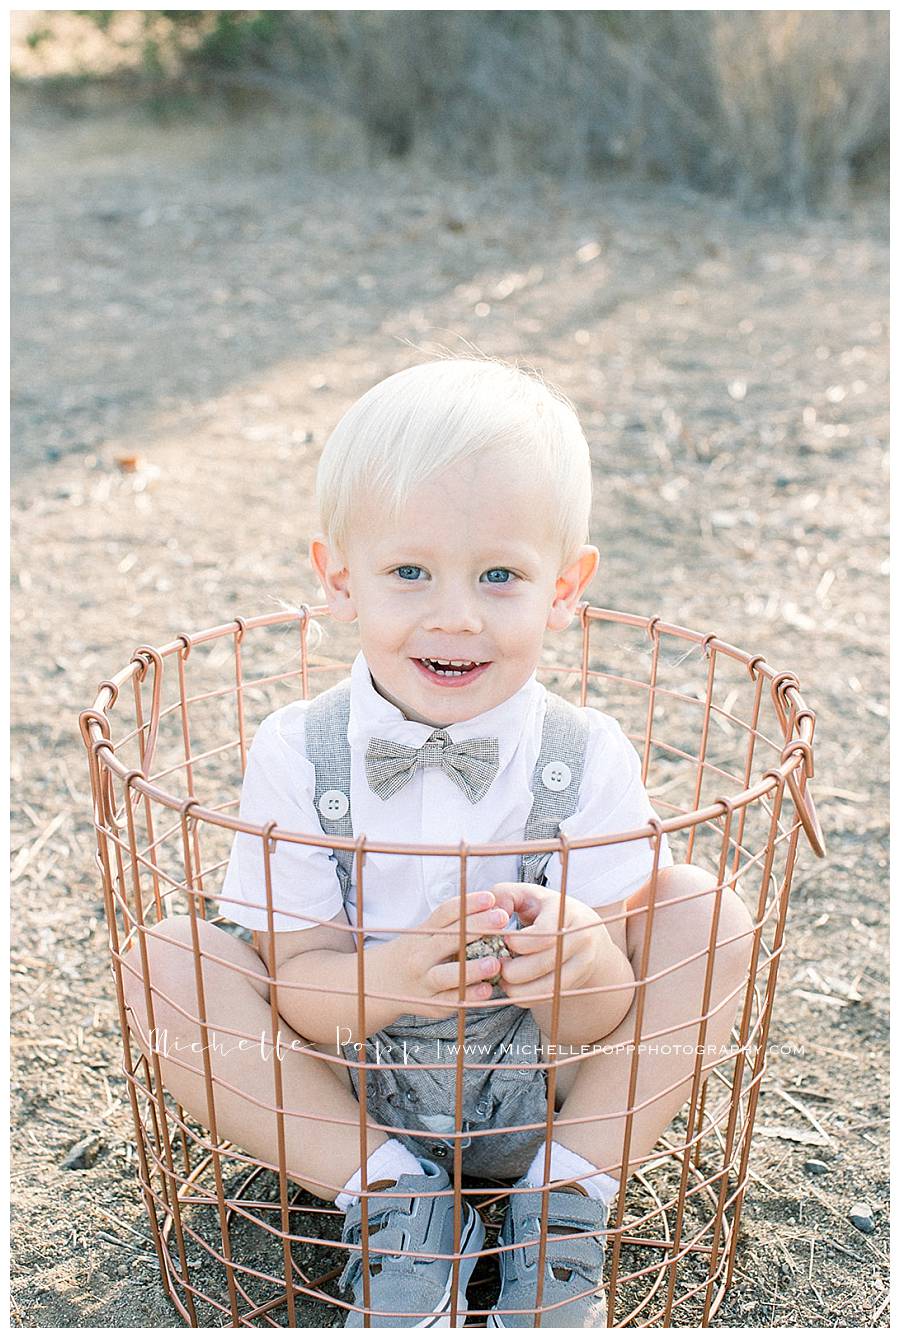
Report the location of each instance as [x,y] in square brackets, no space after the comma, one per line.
[697,894]
[169,956]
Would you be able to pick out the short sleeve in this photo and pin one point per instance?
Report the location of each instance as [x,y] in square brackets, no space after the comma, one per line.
[612,799]
[279,786]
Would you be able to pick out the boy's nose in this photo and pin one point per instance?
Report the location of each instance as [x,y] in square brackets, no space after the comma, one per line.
[453,614]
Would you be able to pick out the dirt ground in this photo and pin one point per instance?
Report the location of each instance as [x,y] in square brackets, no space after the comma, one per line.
[208,300]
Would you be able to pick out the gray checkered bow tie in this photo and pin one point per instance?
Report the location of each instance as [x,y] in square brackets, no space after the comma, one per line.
[471,765]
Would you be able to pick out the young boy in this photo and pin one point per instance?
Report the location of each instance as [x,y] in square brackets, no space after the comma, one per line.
[455,502]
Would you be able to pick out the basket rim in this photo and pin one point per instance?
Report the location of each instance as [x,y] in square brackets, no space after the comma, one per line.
[794,770]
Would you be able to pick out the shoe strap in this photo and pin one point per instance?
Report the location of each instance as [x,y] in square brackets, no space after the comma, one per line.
[389,1237]
[572,1212]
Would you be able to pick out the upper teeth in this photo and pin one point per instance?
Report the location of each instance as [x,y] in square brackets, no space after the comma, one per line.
[454,664]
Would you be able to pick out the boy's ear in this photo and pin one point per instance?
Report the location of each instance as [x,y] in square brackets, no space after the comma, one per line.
[334,575]
[569,587]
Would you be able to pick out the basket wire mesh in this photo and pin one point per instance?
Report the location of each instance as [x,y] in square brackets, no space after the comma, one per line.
[726,747]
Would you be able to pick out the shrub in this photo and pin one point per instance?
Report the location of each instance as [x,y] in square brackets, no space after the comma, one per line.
[771,106]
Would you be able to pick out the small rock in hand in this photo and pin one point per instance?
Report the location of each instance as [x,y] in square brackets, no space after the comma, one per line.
[493,946]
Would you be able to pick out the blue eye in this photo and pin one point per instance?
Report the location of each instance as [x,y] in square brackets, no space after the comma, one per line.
[499,576]
[407,573]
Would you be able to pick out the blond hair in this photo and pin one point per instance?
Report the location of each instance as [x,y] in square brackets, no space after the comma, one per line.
[429,417]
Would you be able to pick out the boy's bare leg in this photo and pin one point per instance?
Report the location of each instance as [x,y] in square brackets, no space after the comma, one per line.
[598,1084]
[321,1155]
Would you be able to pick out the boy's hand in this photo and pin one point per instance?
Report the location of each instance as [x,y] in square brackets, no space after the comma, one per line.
[530,971]
[428,963]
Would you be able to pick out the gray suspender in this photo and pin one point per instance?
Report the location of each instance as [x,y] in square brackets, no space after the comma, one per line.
[563,747]
[328,748]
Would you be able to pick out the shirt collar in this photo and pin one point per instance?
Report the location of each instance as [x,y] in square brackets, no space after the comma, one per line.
[372,715]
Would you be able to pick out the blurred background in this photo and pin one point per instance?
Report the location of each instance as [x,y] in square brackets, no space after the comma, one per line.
[767,106]
[227,225]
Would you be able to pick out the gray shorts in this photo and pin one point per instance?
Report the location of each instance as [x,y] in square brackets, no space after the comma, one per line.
[422,1102]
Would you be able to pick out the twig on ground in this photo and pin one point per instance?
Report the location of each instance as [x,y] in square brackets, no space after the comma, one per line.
[123,1226]
[757,1178]
[808,1091]
[792,1135]
[24,857]
[804,1111]
[815,997]
[881,1309]
[38,989]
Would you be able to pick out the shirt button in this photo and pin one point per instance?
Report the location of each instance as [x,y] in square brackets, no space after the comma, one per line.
[556,776]
[333,805]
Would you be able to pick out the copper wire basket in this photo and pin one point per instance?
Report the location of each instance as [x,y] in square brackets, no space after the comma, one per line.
[726,744]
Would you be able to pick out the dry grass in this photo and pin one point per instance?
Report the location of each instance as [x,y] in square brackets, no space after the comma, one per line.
[784,106]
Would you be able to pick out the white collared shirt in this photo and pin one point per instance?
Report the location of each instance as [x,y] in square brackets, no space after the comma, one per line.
[400,891]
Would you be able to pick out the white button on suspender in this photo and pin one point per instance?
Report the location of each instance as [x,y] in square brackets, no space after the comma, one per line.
[333,805]
[556,776]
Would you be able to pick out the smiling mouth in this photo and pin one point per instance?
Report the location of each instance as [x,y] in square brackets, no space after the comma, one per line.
[452,671]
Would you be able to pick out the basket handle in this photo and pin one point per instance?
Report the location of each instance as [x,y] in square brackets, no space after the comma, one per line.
[145,656]
[798,784]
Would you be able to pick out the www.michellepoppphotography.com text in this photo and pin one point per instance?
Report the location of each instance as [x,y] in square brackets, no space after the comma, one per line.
[438,1052]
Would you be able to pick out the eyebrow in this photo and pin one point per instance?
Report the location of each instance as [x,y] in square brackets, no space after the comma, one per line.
[516,553]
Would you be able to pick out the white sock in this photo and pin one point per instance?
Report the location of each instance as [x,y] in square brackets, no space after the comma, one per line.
[568,1165]
[389,1161]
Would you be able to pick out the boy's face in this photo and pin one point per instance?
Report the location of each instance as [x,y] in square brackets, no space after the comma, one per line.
[469,572]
